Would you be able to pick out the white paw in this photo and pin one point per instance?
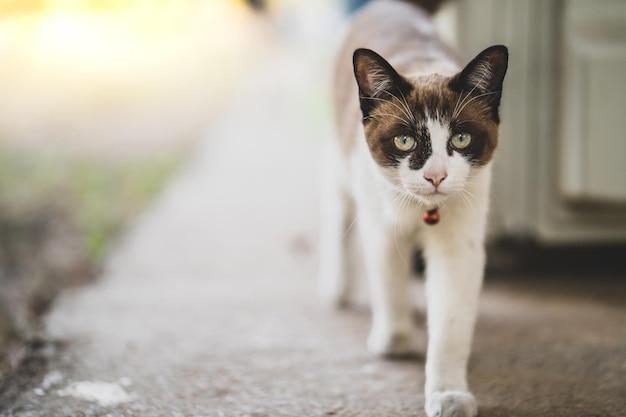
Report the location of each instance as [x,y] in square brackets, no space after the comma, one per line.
[451,404]
[392,344]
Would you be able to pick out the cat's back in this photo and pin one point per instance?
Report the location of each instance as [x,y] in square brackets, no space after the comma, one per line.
[403,33]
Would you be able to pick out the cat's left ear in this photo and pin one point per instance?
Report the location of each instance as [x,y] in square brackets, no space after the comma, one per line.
[378,81]
[484,75]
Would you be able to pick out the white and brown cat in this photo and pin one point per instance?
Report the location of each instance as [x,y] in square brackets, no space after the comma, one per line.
[412,169]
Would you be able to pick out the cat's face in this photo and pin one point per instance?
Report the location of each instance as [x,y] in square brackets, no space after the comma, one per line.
[428,137]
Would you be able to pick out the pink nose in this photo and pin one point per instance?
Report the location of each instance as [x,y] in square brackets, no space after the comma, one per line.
[435,178]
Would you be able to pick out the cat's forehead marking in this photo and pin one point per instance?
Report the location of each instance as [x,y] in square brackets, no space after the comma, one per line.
[439,134]
[433,99]
[424,150]
[434,139]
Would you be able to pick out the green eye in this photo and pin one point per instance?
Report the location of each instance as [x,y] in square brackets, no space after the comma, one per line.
[461,140]
[404,143]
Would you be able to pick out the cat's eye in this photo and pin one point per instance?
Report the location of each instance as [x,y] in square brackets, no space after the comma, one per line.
[461,140]
[404,143]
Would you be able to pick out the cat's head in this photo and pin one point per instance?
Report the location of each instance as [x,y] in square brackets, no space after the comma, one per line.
[428,136]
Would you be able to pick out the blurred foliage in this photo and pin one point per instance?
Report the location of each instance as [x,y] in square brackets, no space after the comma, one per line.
[102,195]
[59,214]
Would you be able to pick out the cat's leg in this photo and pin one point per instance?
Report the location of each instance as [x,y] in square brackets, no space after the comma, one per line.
[334,279]
[388,263]
[454,278]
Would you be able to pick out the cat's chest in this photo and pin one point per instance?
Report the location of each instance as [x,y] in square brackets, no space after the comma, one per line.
[405,213]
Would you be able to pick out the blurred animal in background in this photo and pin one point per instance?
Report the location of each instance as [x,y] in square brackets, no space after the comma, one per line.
[257,4]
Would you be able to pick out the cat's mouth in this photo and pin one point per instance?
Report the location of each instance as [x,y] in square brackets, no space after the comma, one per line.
[436,197]
[432,198]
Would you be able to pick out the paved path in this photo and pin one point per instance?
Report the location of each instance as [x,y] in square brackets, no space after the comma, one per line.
[208,306]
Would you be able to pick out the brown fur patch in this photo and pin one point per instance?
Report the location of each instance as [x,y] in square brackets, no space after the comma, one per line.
[431,98]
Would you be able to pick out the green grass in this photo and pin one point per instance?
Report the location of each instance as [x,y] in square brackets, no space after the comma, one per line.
[59,216]
[102,196]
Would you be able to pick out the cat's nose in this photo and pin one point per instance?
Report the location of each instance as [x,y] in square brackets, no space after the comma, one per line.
[435,178]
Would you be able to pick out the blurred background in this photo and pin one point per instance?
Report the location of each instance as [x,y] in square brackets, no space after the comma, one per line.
[101,101]
[559,196]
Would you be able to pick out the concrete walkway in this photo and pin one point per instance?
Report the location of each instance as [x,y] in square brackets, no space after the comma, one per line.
[208,307]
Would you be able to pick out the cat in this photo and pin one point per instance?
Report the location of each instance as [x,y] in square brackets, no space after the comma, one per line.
[412,169]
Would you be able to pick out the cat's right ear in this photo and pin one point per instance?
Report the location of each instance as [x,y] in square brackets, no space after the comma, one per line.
[378,81]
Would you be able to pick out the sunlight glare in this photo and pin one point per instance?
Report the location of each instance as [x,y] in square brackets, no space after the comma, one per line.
[73,68]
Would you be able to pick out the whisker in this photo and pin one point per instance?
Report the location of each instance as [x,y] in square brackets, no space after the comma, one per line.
[474,98]
[407,114]
[405,122]
[345,233]
[467,197]
[456,113]
[456,106]
[408,109]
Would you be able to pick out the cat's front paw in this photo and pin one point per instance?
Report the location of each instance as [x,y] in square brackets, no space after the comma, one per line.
[451,404]
[393,344]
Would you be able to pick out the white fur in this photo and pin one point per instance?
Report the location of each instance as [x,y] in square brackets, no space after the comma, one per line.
[389,205]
